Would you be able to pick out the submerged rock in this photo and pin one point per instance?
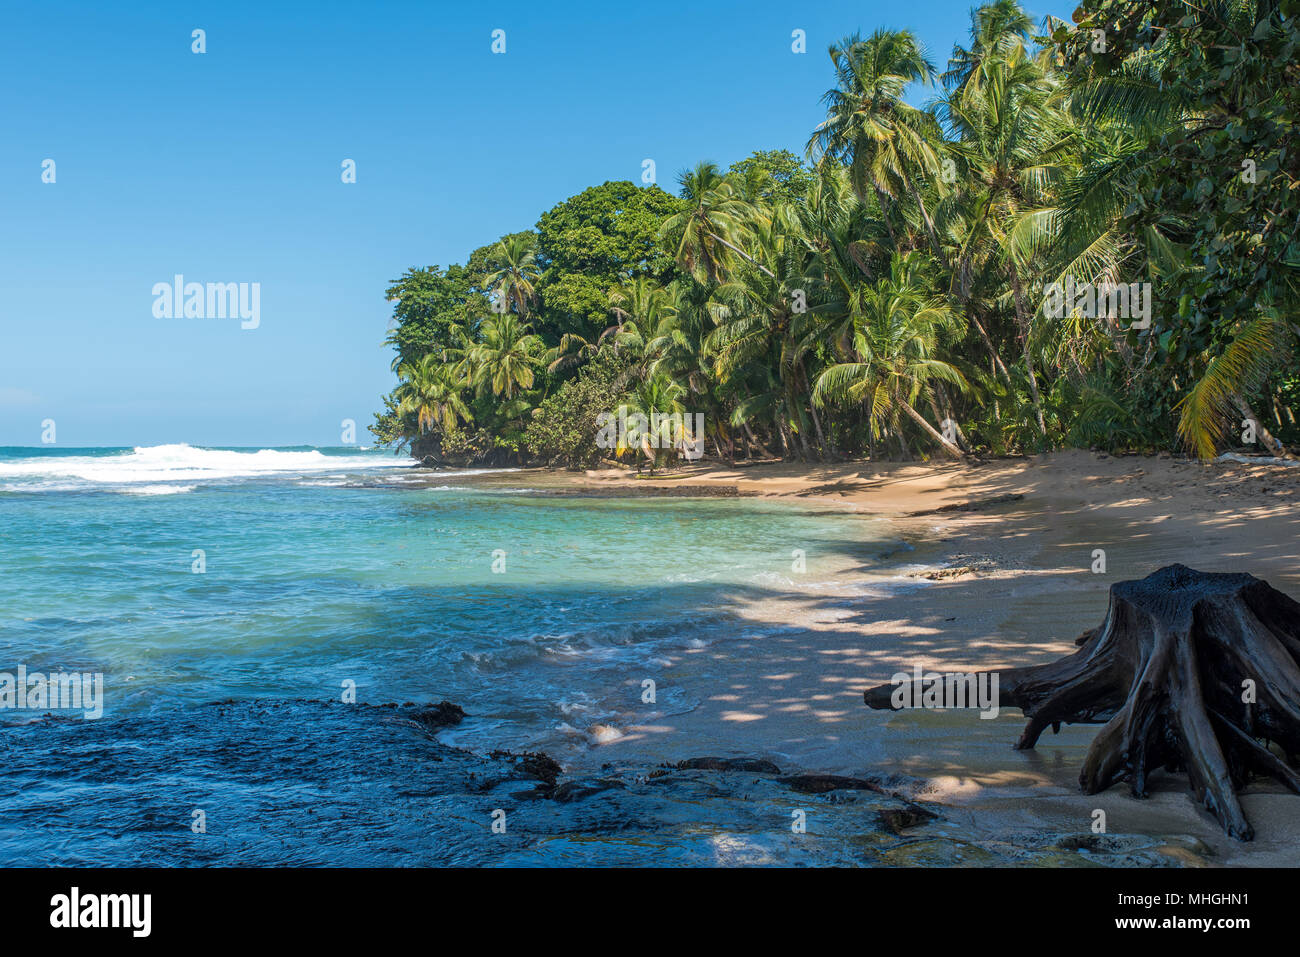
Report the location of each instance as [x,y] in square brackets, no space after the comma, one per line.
[751,765]
[577,790]
[305,783]
[821,783]
[899,819]
[440,715]
[534,764]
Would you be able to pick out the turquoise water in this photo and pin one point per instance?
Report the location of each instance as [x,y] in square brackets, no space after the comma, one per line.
[327,568]
[314,578]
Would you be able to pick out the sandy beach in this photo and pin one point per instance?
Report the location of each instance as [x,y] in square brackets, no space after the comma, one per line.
[996,572]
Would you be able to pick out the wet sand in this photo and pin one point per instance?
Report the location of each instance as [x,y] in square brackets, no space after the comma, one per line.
[1017,588]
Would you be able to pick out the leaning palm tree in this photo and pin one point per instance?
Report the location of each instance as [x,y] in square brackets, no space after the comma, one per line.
[503,362]
[710,229]
[891,363]
[515,272]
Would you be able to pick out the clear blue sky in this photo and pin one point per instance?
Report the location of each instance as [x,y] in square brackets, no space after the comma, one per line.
[225,167]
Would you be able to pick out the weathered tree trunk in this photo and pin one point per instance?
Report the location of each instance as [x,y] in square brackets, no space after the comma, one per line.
[754,442]
[930,430]
[935,245]
[1269,441]
[1190,671]
[884,215]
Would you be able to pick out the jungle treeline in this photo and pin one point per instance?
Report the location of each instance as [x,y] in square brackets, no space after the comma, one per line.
[962,277]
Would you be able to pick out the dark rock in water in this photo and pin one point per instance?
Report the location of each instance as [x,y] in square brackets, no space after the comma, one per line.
[751,765]
[440,715]
[645,491]
[535,764]
[568,791]
[899,819]
[821,783]
[309,783]
[1082,842]
[577,790]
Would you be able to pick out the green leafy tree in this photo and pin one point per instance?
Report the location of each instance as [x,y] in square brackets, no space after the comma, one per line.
[601,238]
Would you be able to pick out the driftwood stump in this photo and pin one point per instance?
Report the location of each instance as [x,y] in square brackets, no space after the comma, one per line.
[1190,671]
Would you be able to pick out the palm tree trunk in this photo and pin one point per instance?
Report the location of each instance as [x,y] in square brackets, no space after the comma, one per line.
[929,223]
[1261,430]
[820,436]
[1017,294]
[949,414]
[884,214]
[817,420]
[998,364]
[748,258]
[930,430]
[752,442]
[803,439]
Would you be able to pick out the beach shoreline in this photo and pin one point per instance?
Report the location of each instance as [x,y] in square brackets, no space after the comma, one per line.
[1000,573]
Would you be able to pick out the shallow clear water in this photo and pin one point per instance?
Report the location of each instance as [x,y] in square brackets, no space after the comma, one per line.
[314,579]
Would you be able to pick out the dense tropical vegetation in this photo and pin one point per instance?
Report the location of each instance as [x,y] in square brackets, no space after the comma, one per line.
[885,295]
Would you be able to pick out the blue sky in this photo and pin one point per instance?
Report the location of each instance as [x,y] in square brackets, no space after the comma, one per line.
[225,167]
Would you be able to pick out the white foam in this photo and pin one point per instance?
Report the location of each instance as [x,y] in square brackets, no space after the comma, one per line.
[150,465]
[158,489]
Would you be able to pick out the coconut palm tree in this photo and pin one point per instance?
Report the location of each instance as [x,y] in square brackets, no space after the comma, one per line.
[710,229]
[996,30]
[754,350]
[891,362]
[1218,398]
[656,398]
[887,144]
[504,361]
[1016,143]
[432,391]
[515,272]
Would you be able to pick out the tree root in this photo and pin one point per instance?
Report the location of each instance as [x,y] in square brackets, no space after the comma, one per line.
[1189,671]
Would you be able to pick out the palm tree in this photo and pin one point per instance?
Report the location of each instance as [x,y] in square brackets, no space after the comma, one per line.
[891,362]
[755,352]
[886,143]
[711,225]
[1016,143]
[656,398]
[507,355]
[432,391]
[515,271]
[1219,395]
[996,30]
